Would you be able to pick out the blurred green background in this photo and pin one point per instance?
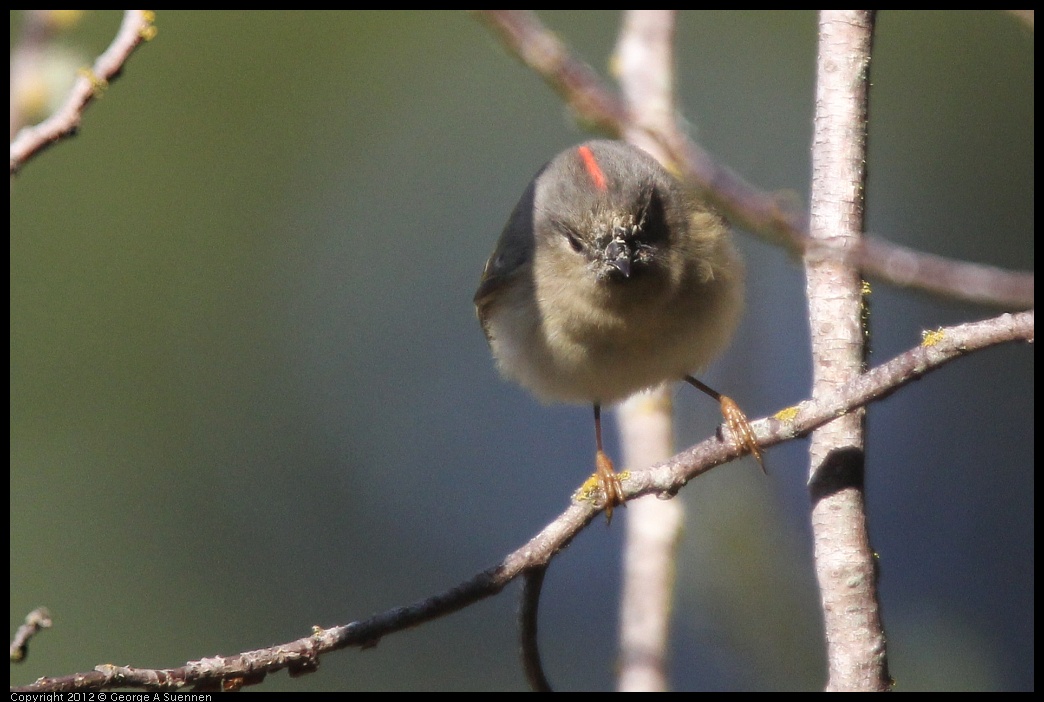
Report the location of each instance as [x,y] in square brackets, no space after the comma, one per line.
[249,394]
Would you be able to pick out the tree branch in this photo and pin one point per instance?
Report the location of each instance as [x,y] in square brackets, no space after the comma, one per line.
[856,646]
[529,607]
[36,620]
[663,479]
[136,27]
[643,62]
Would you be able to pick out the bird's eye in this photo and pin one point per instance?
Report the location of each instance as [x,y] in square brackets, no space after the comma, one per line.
[574,240]
[653,221]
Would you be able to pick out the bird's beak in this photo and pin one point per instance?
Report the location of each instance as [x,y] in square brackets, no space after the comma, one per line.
[619,255]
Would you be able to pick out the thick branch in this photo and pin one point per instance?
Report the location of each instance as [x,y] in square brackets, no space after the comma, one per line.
[856,650]
[643,62]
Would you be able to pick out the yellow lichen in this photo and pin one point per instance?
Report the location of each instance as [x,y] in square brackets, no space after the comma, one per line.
[931,338]
[97,83]
[588,490]
[592,487]
[149,31]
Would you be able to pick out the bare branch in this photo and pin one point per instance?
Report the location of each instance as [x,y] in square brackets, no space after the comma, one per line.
[643,62]
[763,213]
[857,657]
[936,349]
[529,607]
[577,83]
[664,479]
[36,620]
[136,27]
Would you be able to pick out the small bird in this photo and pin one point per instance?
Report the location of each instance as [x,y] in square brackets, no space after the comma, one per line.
[610,277]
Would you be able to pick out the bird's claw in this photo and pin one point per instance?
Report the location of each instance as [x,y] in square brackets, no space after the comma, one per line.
[740,431]
[609,482]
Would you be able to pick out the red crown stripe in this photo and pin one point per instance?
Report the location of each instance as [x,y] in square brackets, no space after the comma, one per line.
[592,167]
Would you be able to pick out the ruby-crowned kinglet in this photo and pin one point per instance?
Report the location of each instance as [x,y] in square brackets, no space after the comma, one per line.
[610,277]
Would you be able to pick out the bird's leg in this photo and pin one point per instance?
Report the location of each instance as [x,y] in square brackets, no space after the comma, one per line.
[739,426]
[607,477]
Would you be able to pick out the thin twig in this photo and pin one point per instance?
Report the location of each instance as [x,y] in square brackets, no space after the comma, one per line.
[528,619]
[39,618]
[136,27]
[760,212]
[579,85]
[666,478]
